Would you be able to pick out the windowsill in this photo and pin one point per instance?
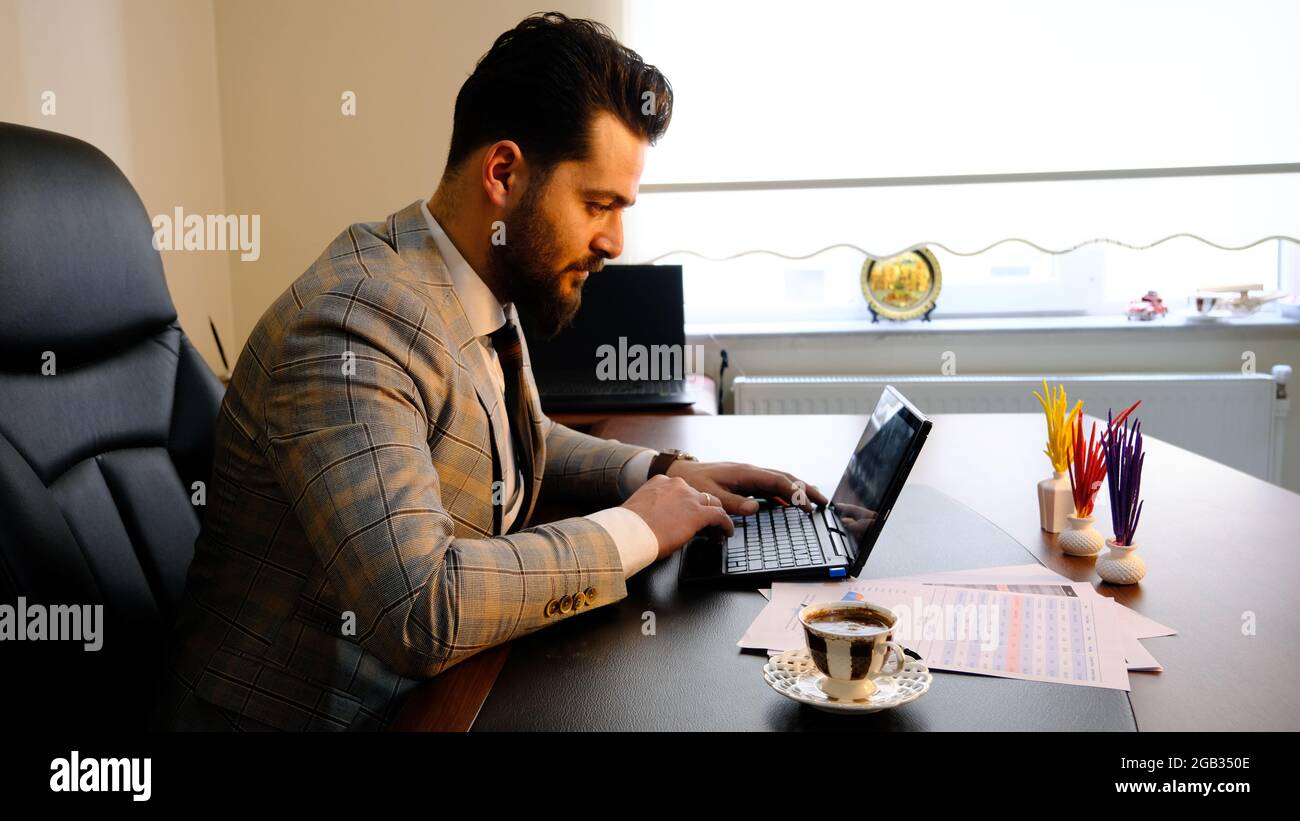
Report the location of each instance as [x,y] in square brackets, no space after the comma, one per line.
[1009,324]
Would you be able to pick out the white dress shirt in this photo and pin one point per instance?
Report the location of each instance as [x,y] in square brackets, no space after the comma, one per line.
[636,542]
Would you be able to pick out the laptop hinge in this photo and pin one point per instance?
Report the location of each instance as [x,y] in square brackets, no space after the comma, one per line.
[840,541]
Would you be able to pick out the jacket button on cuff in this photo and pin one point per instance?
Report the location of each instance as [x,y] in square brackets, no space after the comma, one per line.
[551,608]
[566,603]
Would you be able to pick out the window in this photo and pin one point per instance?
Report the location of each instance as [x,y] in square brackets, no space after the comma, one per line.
[1012,280]
[881,126]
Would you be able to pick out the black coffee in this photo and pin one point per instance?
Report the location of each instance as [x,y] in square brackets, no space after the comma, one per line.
[850,623]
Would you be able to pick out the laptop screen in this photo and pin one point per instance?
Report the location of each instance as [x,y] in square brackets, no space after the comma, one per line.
[879,466]
[640,303]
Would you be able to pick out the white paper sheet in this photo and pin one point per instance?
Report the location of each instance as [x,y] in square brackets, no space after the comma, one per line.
[1064,639]
[1013,578]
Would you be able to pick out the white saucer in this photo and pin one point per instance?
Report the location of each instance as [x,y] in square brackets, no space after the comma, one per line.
[793,675]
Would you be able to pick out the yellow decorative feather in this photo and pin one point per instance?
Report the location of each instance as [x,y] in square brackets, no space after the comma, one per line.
[1060,426]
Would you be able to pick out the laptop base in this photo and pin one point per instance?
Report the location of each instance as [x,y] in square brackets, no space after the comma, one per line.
[755,555]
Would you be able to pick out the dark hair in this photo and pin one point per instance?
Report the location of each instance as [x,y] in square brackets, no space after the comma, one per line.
[543,81]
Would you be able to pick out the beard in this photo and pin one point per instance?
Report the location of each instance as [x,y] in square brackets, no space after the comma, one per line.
[531,265]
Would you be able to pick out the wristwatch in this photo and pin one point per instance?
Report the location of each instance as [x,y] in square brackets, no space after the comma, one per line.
[666,457]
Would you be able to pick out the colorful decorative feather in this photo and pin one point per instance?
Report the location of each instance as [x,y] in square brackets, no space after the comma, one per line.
[1087,468]
[1124,459]
[1060,426]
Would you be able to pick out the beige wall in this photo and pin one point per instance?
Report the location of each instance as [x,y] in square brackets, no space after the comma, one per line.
[137,79]
[293,157]
[233,106]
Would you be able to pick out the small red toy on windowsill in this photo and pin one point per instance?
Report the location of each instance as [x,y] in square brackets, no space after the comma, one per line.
[1147,308]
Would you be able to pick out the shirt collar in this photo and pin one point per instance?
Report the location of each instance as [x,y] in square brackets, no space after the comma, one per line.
[484,312]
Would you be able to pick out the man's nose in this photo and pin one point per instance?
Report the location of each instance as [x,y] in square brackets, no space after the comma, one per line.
[609,242]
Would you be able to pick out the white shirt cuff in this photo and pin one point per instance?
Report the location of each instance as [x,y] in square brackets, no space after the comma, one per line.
[636,542]
[634,473]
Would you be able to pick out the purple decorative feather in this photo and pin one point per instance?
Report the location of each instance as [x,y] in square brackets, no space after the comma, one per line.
[1124,461]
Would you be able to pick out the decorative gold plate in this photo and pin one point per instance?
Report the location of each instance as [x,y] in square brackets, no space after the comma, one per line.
[902,287]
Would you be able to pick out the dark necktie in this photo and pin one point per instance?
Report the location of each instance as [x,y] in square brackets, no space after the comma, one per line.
[510,352]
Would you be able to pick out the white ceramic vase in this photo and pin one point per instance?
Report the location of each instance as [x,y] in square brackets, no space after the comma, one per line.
[1082,539]
[1055,502]
[1122,564]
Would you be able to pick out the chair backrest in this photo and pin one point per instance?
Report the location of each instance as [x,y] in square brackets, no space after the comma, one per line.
[106,422]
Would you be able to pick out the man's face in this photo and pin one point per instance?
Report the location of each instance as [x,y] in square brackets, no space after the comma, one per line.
[569,225]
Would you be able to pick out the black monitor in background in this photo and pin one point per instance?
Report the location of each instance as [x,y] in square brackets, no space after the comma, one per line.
[643,305]
[640,302]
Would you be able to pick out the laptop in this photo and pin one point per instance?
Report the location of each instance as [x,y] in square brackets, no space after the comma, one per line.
[626,349]
[785,543]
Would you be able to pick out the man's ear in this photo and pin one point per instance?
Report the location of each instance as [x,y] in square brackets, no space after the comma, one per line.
[502,171]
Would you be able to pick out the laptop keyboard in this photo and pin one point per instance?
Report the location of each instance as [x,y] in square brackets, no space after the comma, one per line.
[774,538]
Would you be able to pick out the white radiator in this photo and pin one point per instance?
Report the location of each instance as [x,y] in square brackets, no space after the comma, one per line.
[1237,419]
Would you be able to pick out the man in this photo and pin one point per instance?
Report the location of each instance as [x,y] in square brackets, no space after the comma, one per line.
[381,448]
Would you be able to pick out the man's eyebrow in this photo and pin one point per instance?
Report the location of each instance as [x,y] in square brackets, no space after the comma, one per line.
[617,198]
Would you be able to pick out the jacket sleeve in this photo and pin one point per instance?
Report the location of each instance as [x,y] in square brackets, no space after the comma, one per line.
[348,436]
[582,466]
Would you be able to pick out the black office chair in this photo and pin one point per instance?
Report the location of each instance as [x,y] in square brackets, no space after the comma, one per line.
[106,422]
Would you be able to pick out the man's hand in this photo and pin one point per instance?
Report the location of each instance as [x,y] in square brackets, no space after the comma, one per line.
[675,511]
[733,481]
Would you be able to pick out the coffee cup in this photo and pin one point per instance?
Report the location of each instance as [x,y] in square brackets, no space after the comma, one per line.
[849,642]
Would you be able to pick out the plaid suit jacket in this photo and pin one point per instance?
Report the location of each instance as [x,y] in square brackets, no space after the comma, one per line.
[346,551]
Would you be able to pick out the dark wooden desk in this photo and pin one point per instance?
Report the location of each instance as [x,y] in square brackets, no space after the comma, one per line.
[1219,544]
